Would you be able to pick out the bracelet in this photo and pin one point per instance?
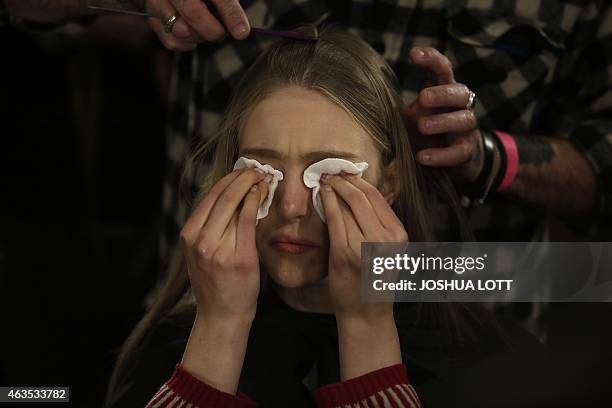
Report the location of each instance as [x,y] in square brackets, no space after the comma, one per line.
[510,161]
[489,153]
[478,188]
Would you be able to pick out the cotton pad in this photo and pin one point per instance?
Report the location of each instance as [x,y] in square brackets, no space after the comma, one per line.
[266,168]
[312,177]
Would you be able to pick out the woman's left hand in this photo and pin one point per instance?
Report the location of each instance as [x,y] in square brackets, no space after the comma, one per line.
[356,212]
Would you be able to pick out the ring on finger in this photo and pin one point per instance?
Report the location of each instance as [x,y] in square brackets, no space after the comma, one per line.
[169,23]
[471,101]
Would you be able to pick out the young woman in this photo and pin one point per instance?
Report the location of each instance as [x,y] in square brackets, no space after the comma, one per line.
[270,303]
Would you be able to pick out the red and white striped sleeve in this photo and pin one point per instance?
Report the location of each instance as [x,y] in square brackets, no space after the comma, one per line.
[183,390]
[387,387]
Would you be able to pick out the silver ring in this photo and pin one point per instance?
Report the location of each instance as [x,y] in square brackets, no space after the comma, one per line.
[169,23]
[471,101]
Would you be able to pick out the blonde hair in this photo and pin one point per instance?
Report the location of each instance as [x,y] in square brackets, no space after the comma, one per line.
[350,73]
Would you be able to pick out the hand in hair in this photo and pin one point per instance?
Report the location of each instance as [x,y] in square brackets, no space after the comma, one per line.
[357,212]
[197,21]
[446,129]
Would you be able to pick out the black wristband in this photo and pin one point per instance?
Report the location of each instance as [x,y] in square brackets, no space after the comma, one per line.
[503,164]
[489,154]
[478,187]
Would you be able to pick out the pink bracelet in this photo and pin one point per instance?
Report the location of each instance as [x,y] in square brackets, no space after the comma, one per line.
[512,159]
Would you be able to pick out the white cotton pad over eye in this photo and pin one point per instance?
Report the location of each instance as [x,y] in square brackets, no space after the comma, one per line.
[312,177]
[266,168]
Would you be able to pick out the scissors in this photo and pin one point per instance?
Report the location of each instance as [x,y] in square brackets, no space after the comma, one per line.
[256,30]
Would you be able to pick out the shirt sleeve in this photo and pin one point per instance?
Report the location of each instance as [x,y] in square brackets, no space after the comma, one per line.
[184,390]
[387,387]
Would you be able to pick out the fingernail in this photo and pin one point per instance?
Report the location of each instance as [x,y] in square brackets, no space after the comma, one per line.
[268,178]
[420,54]
[324,178]
[426,157]
[254,188]
[242,30]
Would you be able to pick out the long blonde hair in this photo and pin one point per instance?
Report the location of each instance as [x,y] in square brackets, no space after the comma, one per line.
[350,73]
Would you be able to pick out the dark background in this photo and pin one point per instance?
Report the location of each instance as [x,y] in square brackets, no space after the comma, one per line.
[81,158]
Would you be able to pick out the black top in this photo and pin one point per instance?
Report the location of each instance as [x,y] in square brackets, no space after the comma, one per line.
[496,366]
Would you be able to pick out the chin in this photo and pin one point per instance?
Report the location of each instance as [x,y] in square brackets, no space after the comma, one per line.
[294,274]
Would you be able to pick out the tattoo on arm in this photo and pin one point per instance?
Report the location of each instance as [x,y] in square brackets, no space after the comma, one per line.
[534,150]
[554,175]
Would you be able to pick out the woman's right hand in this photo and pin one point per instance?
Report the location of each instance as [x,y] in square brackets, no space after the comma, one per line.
[221,254]
[196,22]
[219,244]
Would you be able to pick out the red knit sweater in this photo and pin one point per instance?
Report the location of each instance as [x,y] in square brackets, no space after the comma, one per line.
[387,387]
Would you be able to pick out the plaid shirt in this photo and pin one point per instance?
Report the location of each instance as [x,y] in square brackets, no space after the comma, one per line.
[538,67]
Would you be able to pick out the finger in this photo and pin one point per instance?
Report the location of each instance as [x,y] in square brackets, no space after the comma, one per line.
[169,40]
[432,60]
[247,221]
[189,36]
[233,16]
[335,220]
[353,232]
[163,10]
[445,96]
[198,217]
[228,239]
[199,18]
[453,155]
[450,122]
[228,202]
[359,204]
[264,188]
[381,207]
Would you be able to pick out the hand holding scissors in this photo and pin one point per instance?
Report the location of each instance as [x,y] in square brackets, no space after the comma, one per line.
[182,24]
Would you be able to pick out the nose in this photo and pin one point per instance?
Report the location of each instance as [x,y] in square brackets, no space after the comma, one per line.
[293,196]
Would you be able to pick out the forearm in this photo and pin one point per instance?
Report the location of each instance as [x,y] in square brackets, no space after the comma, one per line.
[555,176]
[367,346]
[215,352]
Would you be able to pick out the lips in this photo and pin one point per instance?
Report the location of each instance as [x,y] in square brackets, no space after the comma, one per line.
[293,245]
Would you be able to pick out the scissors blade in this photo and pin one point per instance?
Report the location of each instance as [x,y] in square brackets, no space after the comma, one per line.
[119,11]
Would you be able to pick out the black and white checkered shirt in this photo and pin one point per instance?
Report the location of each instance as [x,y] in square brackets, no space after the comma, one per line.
[538,67]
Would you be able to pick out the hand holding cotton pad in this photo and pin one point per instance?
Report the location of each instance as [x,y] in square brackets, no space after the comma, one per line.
[312,177]
[266,168]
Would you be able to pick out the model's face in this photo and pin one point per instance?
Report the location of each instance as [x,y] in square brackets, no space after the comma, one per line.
[290,130]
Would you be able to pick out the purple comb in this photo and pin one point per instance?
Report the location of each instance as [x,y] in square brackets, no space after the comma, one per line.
[292,35]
